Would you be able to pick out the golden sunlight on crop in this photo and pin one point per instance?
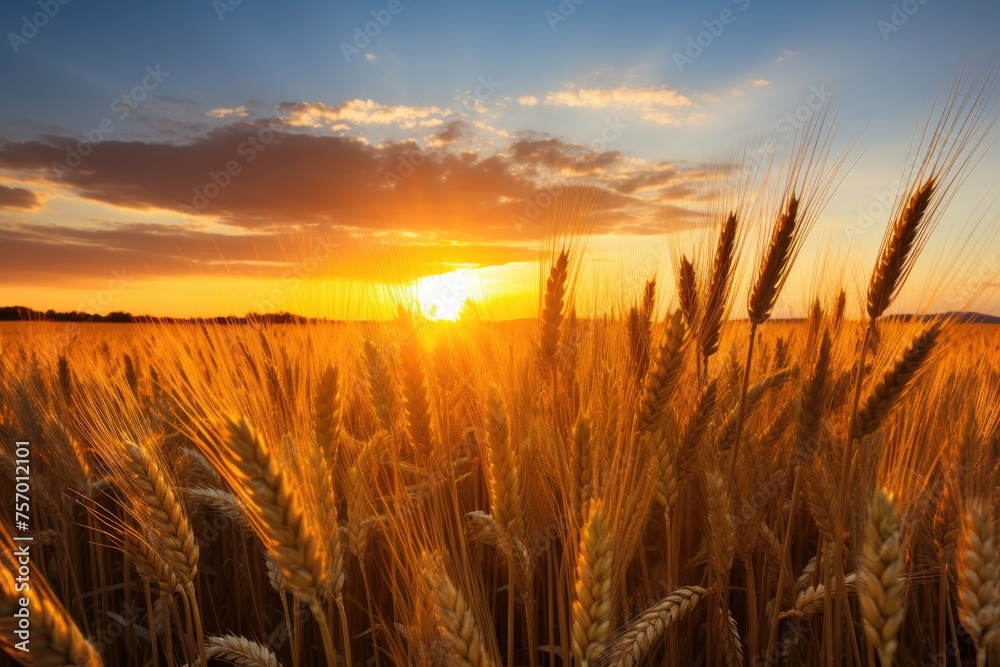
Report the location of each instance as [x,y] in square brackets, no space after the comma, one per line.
[443,296]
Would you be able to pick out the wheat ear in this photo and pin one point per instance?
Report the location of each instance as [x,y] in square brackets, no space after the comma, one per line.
[329,524]
[326,414]
[165,512]
[643,633]
[775,264]
[414,383]
[896,255]
[881,592]
[505,486]
[240,651]
[592,604]
[978,570]
[718,288]
[661,380]
[887,391]
[380,385]
[456,624]
[663,469]
[277,513]
[580,467]
[687,290]
[552,311]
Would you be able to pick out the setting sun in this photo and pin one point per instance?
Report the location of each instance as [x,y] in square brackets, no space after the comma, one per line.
[444,295]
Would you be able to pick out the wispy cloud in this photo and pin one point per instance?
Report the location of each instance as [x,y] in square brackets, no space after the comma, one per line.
[659,104]
[359,112]
[225,112]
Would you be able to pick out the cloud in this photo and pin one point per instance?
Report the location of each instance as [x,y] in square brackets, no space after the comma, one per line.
[359,112]
[527,100]
[244,182]
[224,112]
[761,82]
[658,104]
[18,198]
[370,57]
[450,134]
[559,156]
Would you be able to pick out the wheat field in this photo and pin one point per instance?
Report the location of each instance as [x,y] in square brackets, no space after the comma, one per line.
[685,480]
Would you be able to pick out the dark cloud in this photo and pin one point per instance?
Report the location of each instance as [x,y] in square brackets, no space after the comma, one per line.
[265,182]
[557,155]
[451,133]
[17,198]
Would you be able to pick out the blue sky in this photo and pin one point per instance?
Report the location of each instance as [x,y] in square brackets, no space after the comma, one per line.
[560,71]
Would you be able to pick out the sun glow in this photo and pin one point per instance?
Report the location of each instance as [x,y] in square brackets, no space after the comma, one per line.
[444,295]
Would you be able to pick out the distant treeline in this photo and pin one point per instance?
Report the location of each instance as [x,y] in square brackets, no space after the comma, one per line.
[22,313]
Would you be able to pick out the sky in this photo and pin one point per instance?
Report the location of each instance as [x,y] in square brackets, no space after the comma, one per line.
[206,157]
